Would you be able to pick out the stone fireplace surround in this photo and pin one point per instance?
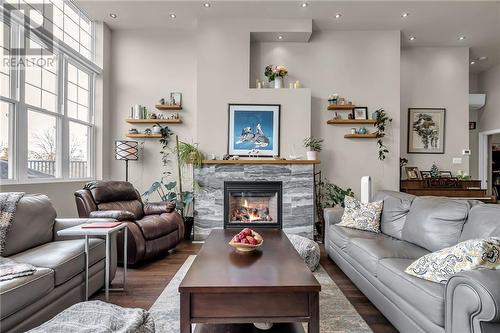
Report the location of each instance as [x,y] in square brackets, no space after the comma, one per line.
[297,178]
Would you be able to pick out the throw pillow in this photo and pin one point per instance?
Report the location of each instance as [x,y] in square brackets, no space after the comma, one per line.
[361,216]
[471,254]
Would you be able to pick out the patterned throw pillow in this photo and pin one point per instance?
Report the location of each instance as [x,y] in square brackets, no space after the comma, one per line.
[361,216]
[471,254]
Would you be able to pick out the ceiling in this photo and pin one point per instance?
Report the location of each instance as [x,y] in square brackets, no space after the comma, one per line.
[432,23]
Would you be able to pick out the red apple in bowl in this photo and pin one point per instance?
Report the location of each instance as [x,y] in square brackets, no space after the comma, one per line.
[246,240]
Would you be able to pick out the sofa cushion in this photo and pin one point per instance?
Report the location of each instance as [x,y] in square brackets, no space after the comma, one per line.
[66,258]
[435,223]
[396,208]
[20,292]
[32,224]
[132,206]
[110,191]
[341,236]
[368,252]
[483,222]
[427,297]
[155,226]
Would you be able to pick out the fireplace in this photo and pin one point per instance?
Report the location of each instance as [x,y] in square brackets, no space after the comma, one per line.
[252,204]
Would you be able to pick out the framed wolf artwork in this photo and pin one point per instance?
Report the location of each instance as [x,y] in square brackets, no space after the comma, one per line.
[254,130]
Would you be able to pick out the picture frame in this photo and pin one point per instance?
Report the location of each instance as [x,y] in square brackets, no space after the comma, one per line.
[445,174]
[425,175]
[472,125]
[254,127]
[176,98]
[426,130]
[360,112]
[412,173]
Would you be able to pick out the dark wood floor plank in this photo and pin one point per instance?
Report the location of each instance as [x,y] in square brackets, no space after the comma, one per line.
[147,281]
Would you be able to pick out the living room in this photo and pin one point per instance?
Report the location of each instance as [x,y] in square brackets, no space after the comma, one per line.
[177,127]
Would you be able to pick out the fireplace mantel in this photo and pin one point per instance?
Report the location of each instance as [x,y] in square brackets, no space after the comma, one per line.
[261,161]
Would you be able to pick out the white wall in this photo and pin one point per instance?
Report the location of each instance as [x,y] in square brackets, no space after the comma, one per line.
[147,65]
[362,66]
[489,84]
[437,77]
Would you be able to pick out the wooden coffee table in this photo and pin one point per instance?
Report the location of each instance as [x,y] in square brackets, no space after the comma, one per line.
[272,284]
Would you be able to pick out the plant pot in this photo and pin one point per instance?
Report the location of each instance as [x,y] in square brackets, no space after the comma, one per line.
[278,82]
[312,155]
[188,227]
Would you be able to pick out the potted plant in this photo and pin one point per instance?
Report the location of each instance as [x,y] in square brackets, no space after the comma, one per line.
[276,74]
[314,146]
[381,121]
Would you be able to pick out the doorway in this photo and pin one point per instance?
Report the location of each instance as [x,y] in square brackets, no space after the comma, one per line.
[489,161]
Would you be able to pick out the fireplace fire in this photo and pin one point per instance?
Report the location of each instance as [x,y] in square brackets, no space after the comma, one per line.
[252,204]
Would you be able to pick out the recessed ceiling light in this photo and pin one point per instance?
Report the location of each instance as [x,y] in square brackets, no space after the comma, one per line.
[173,15]
[461,37]
[482,58]
[338,15]
[472,62]
[280,37]
[304,4]
[207,4]
[404,15]
[412,38]
[113,15]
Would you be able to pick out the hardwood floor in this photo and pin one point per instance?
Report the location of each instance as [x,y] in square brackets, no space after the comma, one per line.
[146,282]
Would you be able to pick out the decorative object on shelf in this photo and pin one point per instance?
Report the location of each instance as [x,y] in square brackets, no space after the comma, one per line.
[156,129]
[147,131]
[426,130]
[226,157]
[276,74]
[445,174]
[463,175]
[254,153]
[380,123]
[336,116]
[350,116]
[362,130]
[442,182]
[161,101]
[425,174]
[375,114]
[291,85]
[254,126]
[152,116]
[314,146]
[258,84]
[133,131]
[333,98]
[297,85]
[126,151]
[472,125]
[353,130]
[176,98]
[412,173]
[434,170]
[360,112]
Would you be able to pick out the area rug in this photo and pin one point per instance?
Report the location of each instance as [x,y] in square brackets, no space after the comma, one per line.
[337,315]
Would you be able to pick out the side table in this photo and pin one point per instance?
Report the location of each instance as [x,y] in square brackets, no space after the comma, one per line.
[96,232]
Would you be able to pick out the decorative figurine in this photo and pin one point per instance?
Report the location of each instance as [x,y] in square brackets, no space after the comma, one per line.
[362,130]
[133,131]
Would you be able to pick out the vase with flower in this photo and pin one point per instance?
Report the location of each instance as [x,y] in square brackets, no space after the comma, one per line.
[276,74]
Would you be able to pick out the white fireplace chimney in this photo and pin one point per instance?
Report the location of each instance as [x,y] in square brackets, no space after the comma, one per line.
[366,189]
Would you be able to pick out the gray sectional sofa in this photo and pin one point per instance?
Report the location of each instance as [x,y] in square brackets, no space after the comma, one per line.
[412,227]
[58,282]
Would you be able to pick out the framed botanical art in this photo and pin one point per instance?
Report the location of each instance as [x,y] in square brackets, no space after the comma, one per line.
[426,130]
[254,129]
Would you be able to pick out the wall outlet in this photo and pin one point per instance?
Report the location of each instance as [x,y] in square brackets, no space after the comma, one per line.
[457,160]
[466,152]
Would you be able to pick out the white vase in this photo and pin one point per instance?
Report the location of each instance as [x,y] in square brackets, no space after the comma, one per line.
[278,82]
[312,155]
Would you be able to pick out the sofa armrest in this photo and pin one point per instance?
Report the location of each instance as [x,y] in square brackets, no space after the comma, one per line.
[332,216]
[157,208]
[119,215]
[472,301]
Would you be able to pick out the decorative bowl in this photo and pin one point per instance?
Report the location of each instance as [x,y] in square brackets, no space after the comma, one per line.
[245,248]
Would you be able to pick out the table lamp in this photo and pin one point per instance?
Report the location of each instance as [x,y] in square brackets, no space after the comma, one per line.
[126,151]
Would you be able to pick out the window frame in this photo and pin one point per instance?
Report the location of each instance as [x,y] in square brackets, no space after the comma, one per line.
[18,140]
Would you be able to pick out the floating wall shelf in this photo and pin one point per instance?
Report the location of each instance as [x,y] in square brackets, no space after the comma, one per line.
[363,136]
[168,107]
[153,121]
[144,136]
[346,107]
[351,122]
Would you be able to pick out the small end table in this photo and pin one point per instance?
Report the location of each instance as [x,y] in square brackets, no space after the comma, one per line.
[96,232]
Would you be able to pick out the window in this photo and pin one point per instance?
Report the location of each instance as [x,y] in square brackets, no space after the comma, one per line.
[46,89]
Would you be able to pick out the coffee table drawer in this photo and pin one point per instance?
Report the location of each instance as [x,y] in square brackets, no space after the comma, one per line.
[229,305]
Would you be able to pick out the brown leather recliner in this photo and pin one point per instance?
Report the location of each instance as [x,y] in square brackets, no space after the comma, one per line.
[153,228]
